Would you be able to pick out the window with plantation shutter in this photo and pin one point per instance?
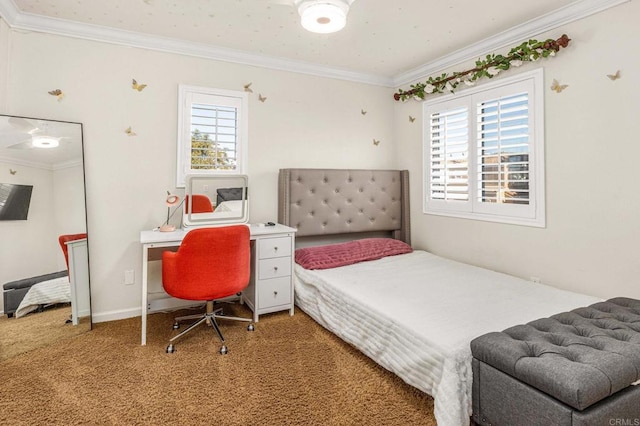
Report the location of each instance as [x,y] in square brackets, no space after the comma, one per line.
[211,132]
[449,155]
[484,152]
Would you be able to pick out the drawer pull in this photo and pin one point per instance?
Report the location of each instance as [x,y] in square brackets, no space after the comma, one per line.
[275,248]
[275,293]
[275,268]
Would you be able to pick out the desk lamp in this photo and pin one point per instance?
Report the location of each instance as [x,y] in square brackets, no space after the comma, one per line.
[171,200]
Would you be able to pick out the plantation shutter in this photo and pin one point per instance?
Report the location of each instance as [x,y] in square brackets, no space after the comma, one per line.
[503,150]
[214,130]
[448,156]
[483,152]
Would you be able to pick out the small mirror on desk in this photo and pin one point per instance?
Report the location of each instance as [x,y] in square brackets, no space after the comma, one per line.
[215,200]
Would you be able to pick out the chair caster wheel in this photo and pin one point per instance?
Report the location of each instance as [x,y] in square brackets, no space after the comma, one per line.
[224,350]
[251,327]
[170,349]
[176,325]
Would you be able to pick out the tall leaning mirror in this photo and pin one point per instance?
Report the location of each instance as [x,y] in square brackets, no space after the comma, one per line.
[44,278]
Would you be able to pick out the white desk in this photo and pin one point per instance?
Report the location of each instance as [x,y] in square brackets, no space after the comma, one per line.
[79,279]
[271,285]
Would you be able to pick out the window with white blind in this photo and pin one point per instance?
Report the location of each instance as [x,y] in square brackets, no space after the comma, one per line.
[484,152]
[212,132]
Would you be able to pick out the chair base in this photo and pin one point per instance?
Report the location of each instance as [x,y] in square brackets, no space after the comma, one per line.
[209,317]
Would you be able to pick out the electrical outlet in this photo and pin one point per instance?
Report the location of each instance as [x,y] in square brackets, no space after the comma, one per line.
[129,277]
[535,279]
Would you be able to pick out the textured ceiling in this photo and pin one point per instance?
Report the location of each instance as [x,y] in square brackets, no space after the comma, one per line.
[382,37]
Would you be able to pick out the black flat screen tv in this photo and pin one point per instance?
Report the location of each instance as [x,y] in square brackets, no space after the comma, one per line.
[14,201]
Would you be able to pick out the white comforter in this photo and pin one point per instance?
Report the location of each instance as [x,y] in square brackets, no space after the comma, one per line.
[57,290]
[415,314]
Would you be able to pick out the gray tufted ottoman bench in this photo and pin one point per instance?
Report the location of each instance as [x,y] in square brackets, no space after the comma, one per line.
[578,368]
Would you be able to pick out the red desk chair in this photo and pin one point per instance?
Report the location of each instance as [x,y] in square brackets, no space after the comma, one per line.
[210,264]
[201,204]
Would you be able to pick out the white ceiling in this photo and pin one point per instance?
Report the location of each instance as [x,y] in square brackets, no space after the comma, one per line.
[385,40]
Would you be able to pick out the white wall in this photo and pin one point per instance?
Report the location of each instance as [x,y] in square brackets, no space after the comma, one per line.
[4,63]
[29,247]
[68,203]
[306,121]
[590,244]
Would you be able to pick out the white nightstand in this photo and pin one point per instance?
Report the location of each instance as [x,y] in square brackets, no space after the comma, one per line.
[271,286]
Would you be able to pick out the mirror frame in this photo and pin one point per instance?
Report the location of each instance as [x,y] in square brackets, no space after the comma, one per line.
[192,185]
[18,160]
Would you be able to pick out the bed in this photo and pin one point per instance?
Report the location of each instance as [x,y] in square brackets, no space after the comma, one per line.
[410,311]
[50,292]
[15,291]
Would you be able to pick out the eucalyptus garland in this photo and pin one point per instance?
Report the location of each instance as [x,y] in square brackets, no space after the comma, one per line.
[528,51]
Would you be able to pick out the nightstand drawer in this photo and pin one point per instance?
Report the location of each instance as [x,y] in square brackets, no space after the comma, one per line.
[276,267]
[274,292]
[275,247]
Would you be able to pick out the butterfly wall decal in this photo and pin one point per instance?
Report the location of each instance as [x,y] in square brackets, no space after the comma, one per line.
[57,93]
[412,119]
[363,112]
[614,77]
[13,172]
[129,131]
[557,87]
[376,142]
[261,98]
[137,86]
[247,88]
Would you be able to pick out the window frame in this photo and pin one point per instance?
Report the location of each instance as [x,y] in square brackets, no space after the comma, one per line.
[187,96]
[532,214]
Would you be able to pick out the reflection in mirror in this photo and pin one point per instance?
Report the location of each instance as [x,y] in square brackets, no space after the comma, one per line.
[215,200]
[45,267]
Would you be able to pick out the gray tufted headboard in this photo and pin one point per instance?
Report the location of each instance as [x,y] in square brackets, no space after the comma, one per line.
[337,201]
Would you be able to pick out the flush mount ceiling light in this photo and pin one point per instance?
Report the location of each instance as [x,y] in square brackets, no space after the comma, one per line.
[42,141]
[323,16]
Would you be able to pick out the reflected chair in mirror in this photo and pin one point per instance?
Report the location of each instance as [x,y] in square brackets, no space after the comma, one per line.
[210,264]
[201,204]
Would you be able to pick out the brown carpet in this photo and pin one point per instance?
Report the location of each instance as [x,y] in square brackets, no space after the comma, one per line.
[37,329]
[290,371]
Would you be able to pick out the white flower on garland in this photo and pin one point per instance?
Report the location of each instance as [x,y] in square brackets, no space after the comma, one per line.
[493,71]
[516,63]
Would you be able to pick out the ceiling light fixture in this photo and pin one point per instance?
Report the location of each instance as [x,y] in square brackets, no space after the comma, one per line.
[323,16]
[43,141]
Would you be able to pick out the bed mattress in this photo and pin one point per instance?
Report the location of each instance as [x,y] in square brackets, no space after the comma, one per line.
[57,290]
[415,314]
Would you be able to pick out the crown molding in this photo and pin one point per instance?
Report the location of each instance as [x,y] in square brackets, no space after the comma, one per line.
[26,163]
[562,16]
[570,13]
[41,165]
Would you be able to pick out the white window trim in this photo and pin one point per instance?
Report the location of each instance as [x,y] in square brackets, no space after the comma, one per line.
[536,157]
[183,155]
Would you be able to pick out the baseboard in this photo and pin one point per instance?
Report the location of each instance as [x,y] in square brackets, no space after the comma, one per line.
[97,317]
